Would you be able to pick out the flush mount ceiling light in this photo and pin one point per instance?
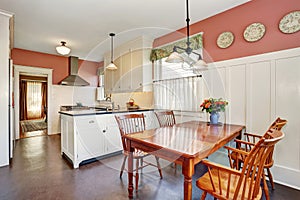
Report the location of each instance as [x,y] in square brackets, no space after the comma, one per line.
[194,63]
[63,49]
[111,65]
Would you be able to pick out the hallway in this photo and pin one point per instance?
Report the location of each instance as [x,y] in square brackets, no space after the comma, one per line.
[39,172]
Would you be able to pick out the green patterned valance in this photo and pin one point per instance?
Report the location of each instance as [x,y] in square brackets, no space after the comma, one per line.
[165,51]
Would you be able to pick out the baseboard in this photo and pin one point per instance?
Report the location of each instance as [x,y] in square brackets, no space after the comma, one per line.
[286,176]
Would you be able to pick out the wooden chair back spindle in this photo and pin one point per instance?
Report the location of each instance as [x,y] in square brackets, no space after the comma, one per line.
[131,123]
[165,118]
[226,183]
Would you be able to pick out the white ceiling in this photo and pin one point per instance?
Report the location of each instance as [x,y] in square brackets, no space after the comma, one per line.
[40,25]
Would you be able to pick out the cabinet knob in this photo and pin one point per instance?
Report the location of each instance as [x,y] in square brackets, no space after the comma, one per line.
[104,131]
[91,122]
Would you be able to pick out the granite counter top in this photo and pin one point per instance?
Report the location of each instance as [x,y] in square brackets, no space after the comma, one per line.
[101,112]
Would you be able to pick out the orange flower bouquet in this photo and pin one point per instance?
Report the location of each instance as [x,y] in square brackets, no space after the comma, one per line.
[212,105]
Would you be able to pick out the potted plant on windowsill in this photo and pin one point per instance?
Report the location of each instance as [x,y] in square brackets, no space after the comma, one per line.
[213,107]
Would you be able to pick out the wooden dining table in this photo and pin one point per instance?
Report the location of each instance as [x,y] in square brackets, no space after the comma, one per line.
[185,144]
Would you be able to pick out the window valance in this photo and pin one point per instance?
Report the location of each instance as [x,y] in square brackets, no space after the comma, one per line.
[165,51]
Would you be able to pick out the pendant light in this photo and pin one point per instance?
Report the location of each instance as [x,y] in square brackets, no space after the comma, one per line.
[175,57]
[111,65]
[63,49]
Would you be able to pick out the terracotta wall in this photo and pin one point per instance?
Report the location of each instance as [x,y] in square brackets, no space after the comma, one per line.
[59,64]
[268,12]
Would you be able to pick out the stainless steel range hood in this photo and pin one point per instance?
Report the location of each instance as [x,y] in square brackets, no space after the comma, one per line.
[74,79]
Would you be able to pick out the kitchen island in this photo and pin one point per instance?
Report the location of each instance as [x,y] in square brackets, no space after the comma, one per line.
[94,134]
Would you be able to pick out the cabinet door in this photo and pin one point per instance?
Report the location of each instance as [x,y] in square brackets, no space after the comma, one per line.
[126,72]
[137,70]
[111,134]
[116,75]
[89,138]
[108,81]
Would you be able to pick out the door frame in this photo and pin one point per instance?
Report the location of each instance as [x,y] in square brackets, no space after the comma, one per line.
[19,69]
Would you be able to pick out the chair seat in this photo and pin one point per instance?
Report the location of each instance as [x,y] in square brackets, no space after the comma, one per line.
[204,184]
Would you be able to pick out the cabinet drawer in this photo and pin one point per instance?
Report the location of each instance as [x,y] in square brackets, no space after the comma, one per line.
[86,123]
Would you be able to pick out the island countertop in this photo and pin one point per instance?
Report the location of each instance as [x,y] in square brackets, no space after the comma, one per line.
[101,112]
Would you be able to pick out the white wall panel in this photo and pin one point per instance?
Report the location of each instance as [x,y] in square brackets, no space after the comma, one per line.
[235,89]
[258,97]
[288,107]
[268,86]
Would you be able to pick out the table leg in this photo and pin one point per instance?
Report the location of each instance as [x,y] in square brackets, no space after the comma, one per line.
[130,170]
[188,171]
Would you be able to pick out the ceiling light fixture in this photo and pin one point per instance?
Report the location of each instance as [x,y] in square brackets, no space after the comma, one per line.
[111,65]
[175,57]
[63,49]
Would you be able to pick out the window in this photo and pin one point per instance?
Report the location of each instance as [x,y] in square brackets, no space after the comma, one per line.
[176,88]
[34,99]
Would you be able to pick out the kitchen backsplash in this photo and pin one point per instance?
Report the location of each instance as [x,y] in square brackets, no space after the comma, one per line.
[142,99]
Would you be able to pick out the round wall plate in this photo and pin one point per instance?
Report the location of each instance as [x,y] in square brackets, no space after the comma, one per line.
[290,23]
[254,32]
[225,39]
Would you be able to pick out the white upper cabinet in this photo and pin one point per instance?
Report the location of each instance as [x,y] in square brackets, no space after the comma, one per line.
[134,71]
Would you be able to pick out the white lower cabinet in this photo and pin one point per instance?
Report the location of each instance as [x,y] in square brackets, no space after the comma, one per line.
[94,136]
[89,136]
[111,133]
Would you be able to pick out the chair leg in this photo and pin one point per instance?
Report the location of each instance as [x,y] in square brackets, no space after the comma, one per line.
[123,166]
[175,166]
[137,175]
[265,187]
[142,163]
[270,178]
[158,166]
[203,196]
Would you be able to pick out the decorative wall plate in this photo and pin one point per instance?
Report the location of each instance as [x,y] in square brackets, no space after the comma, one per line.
[290,23]
[254,32]
[225,39]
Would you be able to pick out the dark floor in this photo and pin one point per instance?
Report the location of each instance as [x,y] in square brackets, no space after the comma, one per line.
[33,133]
[39,172]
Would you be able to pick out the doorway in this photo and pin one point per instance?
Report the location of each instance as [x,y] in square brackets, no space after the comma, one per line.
[35,79]
[33,105]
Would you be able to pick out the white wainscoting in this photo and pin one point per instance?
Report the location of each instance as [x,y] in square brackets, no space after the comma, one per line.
[259,89]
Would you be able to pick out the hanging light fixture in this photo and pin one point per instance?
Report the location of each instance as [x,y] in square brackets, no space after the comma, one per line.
[63,49]
[111,65]
[175,57]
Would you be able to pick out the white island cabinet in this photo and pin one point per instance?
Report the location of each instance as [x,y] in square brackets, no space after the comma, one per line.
[89,136]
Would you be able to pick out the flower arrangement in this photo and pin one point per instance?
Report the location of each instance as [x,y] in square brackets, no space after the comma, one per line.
[212,105]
